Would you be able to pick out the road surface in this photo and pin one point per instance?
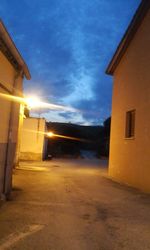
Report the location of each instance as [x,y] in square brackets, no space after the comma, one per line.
[72,205]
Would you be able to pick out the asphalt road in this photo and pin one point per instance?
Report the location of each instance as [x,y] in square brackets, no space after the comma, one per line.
[72,205]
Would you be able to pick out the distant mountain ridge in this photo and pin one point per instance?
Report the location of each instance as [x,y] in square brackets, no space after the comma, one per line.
[95,138]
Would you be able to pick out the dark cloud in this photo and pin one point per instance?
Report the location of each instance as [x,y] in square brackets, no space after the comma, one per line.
[67,115]
[67,45]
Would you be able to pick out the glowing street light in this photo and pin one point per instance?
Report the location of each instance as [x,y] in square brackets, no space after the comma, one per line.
[50,134]
[32,102]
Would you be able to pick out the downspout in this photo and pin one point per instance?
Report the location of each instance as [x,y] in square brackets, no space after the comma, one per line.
[20,124]
[9,139]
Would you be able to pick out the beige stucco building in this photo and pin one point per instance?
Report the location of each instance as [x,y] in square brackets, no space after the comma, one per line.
[33,145]
[12,71]
[130,128]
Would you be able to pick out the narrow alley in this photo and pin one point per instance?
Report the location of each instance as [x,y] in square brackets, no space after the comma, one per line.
[73,205]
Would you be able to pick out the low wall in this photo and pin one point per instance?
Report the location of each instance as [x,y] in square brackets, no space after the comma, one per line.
[29,156]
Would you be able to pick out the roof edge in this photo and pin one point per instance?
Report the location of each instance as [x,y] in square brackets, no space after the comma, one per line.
[12,47]
[128,36]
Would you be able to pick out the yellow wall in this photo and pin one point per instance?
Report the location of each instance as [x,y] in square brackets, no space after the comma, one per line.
[7,72]
[32,139]
[9,78]
[130,158]
[9,121]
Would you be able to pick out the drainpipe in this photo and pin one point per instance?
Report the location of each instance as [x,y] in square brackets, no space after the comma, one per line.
[9,140]
[21,116]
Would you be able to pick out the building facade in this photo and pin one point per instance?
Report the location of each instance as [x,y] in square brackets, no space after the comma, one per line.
[130,127]
[33,143]
[12,71]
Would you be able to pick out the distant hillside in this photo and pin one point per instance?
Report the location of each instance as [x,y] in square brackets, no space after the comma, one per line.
[94,138]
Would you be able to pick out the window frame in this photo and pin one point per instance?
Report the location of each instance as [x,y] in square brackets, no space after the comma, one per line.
[130,124]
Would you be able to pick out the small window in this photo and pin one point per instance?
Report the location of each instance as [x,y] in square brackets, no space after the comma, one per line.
[130,124]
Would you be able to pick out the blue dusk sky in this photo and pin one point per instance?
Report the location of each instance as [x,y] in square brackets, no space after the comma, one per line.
[67,45]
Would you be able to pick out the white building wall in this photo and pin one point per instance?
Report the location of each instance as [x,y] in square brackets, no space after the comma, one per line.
[33,139]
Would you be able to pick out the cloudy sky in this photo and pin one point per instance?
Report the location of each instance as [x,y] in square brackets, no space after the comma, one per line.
[67,45]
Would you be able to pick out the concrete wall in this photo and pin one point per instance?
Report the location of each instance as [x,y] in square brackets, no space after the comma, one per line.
[130,158]
[33,139]
[10,81]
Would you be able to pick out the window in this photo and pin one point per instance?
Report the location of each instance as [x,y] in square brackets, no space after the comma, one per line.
[130,124]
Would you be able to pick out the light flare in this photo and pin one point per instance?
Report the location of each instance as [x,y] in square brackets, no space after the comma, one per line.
[51,134]
[66,137]
[35,103]
[12,98]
